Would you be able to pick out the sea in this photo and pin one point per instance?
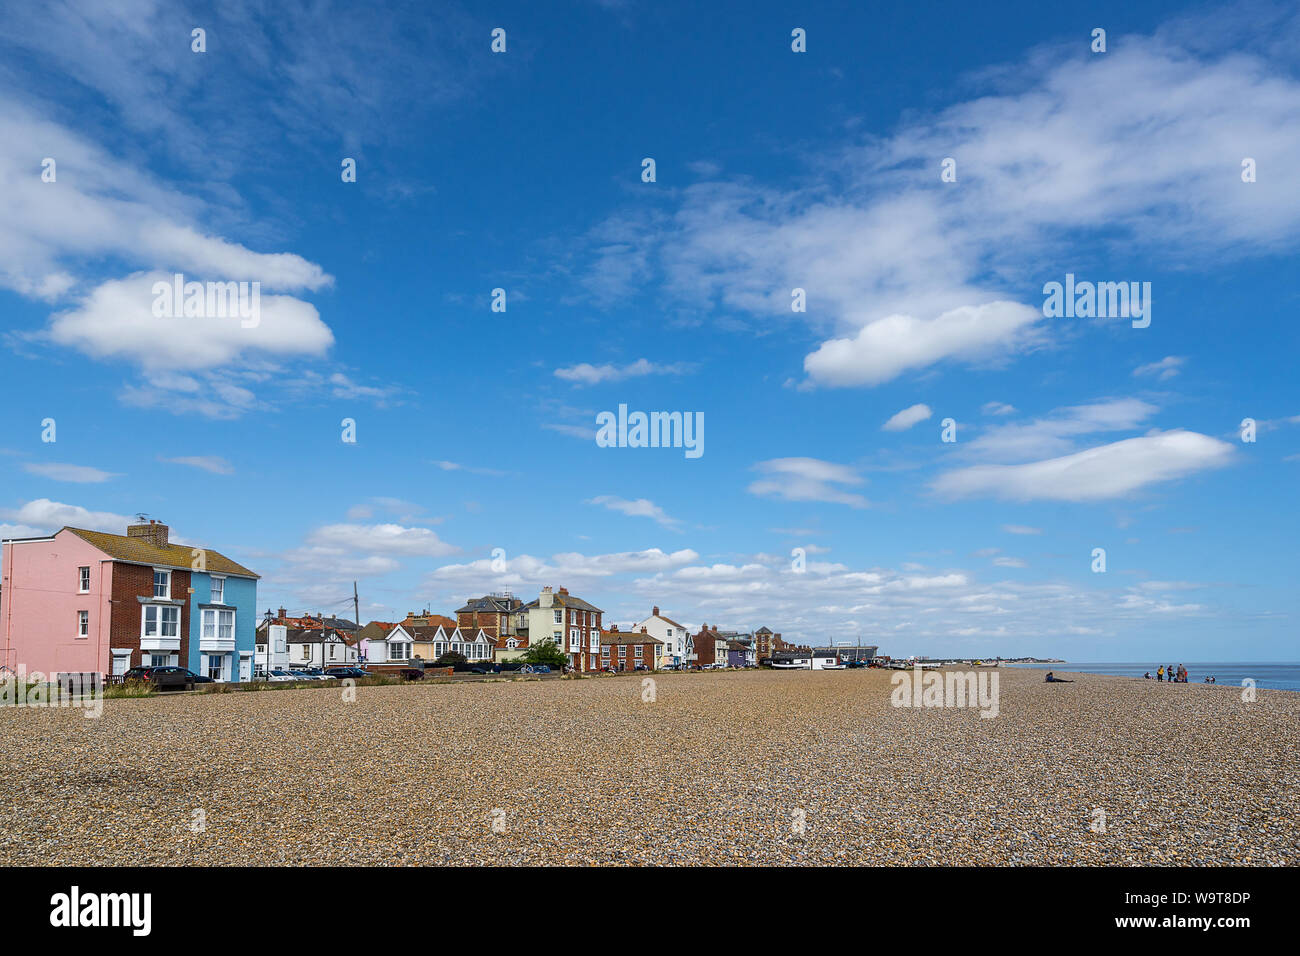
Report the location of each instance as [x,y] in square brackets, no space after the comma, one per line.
[1270,676]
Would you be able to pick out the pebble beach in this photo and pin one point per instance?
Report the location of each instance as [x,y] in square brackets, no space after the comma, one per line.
[726,768]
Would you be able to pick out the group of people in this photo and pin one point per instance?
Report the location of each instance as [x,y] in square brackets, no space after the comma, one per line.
[1176,675]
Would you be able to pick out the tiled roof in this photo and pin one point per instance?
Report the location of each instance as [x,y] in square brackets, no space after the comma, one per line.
[143,551]
[432,620]
[490,603]
[627,637]
[297,636]
[375,630]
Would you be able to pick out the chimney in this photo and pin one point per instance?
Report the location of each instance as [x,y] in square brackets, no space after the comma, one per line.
[564,590]
[613,629]
[155,532]
[547,598]
[655,612]
[283,614]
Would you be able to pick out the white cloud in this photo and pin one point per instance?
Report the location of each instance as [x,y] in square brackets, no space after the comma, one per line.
[1165,369]
[997,408]
[76,473]
[383,539]
[1107,471]
[907,418]
[587,374]
[808,479]
[1020,529]
[1009,562]
[46,516]
[116,321]
[888,347]
[873,237]
[640,508]
[1055,433]
[213,463]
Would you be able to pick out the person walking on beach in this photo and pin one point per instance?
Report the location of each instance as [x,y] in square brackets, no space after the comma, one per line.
[1160,672]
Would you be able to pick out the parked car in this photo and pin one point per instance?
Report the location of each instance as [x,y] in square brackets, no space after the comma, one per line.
[278,676]
[342,672]
[303,675]
[167,677]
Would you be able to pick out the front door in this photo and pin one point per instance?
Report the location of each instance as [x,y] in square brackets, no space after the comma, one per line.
[245,667]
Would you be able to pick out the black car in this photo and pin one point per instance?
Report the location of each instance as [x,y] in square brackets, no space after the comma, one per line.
[343,672]
[164,678]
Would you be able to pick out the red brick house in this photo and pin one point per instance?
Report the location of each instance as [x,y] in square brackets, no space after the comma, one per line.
[628,650]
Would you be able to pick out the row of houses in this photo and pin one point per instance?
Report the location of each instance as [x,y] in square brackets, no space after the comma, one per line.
[81,601]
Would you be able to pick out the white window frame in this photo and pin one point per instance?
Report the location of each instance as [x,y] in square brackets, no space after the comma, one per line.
[167,578]
[559,616]
[216,582]
[83,624]
[83,580]
[160,608]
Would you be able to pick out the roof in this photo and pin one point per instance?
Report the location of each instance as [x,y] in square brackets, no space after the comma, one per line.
[296,636]
[143,551]
[763,630]
[375,630]
[430,620]
[491,603]
[667,620]
[628,637]
[562,600]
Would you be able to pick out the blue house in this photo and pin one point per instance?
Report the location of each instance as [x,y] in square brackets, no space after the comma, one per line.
[223,621]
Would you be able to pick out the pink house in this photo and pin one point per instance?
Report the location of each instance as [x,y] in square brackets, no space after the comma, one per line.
[56,629]
[81,601]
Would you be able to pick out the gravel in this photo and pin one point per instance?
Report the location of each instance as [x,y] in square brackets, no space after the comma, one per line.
[719,769]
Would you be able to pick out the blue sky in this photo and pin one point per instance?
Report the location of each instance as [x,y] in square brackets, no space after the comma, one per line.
[775,170]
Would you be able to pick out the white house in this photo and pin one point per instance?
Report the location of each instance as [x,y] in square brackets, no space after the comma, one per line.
[432,642]
[679,646]
[308,648]
[272,640]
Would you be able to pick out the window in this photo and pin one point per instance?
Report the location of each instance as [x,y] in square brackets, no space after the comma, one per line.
[83,624]
[218,624]
[216,669]
[218,590]
[83,575]
[604,652]
[162,583]
[622,652]
[161,621]
[512,644]
[636,651]
[559,616]
[558,637]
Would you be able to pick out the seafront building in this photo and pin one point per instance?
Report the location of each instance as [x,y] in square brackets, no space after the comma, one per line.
[569,622]
[81,601]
